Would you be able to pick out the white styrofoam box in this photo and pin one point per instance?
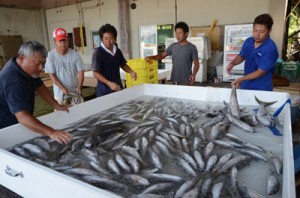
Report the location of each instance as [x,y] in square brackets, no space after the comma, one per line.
[216,59]
[37,178]
[219,70]
[202,72]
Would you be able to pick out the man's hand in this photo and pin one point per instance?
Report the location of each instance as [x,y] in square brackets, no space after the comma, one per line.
[114,86]
[61,137]
[229,68]
[237,82]
[59,107]
[192,79]
[133,75]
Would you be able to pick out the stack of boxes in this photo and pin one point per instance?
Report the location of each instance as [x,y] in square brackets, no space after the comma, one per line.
[147,72]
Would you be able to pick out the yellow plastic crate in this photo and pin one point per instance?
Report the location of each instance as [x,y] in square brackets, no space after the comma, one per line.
[146,72]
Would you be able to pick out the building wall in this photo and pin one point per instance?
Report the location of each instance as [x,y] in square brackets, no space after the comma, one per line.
[24,22]
[39,25]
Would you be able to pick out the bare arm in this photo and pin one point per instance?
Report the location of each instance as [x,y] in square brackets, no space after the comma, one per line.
[256,74]
[127,69]
[195,70]
[35,125]
[157,57]
[80,82]
[58,83]
[113,86]
[48,97]
[237,60]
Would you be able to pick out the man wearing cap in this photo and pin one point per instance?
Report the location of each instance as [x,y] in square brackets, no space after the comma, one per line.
[65,68]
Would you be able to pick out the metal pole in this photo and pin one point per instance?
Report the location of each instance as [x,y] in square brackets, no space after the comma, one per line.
[175,11]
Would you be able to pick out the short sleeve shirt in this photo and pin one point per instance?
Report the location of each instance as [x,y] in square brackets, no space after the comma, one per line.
[17,92]
[182,60]
[109,66]
[264,57]
[66,68]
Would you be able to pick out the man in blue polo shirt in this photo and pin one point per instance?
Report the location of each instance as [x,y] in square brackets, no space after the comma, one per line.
[260,54]
[107,61]
[19,79]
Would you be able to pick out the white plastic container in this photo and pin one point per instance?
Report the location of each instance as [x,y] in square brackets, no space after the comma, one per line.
[39,181]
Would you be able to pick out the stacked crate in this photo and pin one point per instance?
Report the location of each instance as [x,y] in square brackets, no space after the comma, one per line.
[147,72]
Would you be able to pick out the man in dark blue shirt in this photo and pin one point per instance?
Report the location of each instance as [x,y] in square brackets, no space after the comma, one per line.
[106,62]
[260,54]
[19,79]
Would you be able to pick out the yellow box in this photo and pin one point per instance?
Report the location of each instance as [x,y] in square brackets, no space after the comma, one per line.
[146,72]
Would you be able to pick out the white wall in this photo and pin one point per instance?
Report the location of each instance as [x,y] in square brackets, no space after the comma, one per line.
[29,23]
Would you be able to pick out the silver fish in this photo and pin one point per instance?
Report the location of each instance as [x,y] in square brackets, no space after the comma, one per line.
[212,160]
[184,188]
[246,127]
[155,159]
[199,160]
[42,143]
[263,115]
[216,190]
[35,150]
[233,103]
[273,185]
[95,179]
[111,164]
[277,163]
[158,187]
[122,163]
[163,177]
[208,149]
[206,186]
[219,129]
[187,167]
[137,180]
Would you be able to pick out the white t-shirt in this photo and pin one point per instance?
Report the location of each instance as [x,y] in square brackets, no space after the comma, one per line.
[66,68]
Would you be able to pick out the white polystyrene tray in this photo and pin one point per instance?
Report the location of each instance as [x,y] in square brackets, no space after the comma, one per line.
[40,181]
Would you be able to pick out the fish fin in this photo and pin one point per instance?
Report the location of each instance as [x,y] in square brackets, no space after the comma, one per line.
[265,104]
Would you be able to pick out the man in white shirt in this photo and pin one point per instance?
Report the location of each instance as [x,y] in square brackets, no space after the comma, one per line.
[65,68]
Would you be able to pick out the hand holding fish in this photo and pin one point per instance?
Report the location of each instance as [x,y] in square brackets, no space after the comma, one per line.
[237,82]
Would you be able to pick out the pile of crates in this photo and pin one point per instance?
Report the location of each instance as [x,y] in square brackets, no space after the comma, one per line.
[147,72]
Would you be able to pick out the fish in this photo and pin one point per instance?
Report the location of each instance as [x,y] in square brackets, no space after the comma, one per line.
[199,160]
[137,180]
[263,115]
[184,188]
[273,185]
[276,162]
[122,163]
[206,186]
[211,162]
[246,127]
[158,187]
[219,129]
[233,103]
[112,166]
[216,190]
[187,167]
[235,161]
[247,192]
[163,177]
[95,179]
[35,150]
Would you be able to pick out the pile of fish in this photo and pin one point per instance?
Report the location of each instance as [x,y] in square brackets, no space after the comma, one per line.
[163,147]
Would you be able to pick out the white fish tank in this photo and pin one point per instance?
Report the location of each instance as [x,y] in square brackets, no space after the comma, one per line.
[192,105]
